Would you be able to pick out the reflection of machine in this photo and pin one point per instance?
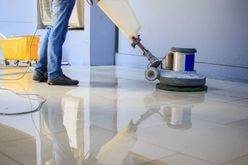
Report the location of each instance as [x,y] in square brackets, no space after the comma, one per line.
[181,76]
[177,115]
[117,149]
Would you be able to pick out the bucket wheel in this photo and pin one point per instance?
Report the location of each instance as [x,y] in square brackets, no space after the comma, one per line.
[6,62]
[29,63]
[17,63]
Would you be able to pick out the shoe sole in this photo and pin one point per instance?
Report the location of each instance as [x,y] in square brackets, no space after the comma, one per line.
[39,80]
[39,77]
[54,84]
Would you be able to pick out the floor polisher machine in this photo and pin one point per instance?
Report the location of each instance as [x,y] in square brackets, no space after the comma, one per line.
[176,71]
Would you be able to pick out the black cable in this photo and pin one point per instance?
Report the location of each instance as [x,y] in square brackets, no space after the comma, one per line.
[90,2]
[24,112]
[20,77]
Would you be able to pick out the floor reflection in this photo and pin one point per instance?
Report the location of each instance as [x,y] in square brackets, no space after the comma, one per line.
[73,127]
[113,120]
[69,131]
[177,115]
[59,137]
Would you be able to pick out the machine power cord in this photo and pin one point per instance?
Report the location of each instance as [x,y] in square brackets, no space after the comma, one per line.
[43,100]
[90,2]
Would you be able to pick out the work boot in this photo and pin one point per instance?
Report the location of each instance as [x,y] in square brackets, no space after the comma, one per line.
[40,76]
[63,80]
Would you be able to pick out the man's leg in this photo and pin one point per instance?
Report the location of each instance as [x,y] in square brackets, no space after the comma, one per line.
[41,66]
[62,10]
[42,62]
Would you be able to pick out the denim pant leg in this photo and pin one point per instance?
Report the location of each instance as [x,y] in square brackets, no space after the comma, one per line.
[42,62]
[62,10]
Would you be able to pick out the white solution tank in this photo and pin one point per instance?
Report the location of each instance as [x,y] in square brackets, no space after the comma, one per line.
[123,16]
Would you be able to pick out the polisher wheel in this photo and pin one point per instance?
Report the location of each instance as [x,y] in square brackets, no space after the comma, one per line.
[152,74]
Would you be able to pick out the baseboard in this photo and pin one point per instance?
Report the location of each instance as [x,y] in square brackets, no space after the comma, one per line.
[210,70]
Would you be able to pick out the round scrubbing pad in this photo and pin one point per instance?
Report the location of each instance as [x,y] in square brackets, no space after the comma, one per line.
[181,89]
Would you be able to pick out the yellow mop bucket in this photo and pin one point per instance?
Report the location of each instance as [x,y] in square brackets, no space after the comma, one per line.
[22,48]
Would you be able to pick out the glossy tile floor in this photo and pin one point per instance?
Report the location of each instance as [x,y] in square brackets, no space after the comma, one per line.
[116,117]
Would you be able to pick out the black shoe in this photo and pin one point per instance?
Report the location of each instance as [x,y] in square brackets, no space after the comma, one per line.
[63,80]
[40,76]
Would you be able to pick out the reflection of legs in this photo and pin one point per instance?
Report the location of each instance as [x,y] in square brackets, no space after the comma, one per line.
[62,154]
[53,118]
[61,14]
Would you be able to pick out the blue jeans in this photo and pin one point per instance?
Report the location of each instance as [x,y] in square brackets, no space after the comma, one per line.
[51,48]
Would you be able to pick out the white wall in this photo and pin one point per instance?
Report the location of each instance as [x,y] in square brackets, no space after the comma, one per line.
[20,18]
[218,29]
[13,15]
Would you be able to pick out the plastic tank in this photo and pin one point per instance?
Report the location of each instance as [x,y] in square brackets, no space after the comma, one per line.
[121,13]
